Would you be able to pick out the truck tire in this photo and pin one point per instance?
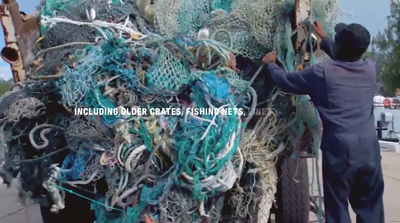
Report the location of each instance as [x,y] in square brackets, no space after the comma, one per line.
[292,198]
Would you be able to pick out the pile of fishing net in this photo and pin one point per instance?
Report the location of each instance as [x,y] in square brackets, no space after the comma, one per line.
[149,54]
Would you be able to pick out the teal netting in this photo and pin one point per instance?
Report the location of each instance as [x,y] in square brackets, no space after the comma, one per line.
[223,4]
[218,87]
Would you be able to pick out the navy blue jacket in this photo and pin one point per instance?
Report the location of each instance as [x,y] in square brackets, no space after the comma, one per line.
[343,94]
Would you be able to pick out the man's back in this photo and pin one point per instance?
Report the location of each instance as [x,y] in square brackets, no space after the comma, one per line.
[344,95]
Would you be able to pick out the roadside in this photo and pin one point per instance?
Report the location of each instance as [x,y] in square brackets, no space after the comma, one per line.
[11,211]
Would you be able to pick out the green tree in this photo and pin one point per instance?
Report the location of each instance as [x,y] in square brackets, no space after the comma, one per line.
[4,87]
[379,61]
[386,47]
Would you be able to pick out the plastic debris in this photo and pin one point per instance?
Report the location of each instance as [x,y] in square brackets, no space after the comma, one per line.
[157,54]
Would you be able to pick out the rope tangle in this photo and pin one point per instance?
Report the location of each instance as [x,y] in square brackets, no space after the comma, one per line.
[124,55]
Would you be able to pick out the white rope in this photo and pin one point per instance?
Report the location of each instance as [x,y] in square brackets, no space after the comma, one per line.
[56,195]
[45,140]
[212,121]
[133,158]
[228,179]
[91,178]
[241,161]
[202,211]
[119,154]
[202,119]
[123,182]
[268,179]
[228,147]
[46,21]
[127,192]
[122,128]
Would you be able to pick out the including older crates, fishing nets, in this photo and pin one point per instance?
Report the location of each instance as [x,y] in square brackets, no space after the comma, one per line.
[157,54]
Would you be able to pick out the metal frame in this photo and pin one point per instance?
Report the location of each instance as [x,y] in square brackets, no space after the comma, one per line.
[21,33]
[302,20]
[302,44]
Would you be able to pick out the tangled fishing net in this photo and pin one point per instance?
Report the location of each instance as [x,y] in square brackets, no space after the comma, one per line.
[188,167]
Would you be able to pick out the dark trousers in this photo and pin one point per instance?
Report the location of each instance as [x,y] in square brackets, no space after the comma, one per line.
[352,173]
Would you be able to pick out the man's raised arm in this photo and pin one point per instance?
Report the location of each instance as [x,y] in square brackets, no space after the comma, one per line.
[301,82]
[327,43]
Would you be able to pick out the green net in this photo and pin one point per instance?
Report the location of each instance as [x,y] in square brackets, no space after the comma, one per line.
[263,17]
[235,32]
[181,17]
[217,145]
[223,4]
[167,73]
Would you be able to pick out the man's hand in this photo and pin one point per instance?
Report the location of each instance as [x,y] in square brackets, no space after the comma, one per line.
[319,29]
[269,58]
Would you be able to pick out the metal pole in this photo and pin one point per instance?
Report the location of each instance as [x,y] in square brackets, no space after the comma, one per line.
[379,129]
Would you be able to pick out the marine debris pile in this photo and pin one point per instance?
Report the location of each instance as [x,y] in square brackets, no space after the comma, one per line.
[175,54]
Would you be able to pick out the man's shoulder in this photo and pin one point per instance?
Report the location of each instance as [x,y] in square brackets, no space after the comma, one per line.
[320,67]
[370,65]
[370,62]
[362,62]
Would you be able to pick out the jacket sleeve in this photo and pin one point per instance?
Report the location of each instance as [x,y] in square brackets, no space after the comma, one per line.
[327,45]
[300,82]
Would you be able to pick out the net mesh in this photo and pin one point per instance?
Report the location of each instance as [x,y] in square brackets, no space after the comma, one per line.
[235,32]
[167,73]
[181,17]
[263,17]
[28,108]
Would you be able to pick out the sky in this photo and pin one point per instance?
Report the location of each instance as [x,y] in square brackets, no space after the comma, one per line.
[370,13]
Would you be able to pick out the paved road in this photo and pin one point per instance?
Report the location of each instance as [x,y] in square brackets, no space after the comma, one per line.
[391,174]
[12,212]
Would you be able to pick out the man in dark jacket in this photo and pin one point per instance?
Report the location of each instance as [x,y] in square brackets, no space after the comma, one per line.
[342,90]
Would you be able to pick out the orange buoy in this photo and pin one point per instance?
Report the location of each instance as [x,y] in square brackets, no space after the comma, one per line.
[387,103]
